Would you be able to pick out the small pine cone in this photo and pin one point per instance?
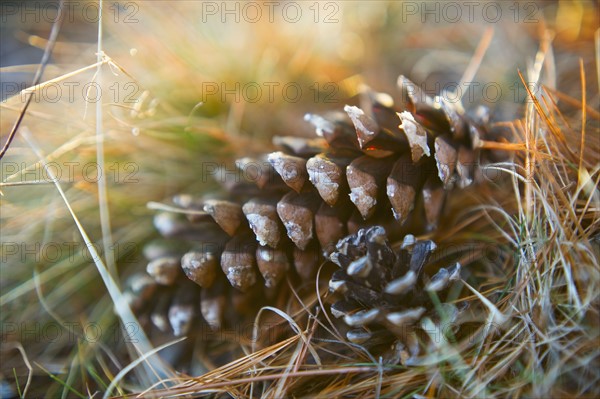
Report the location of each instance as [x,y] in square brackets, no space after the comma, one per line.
[385,293]
[383,163]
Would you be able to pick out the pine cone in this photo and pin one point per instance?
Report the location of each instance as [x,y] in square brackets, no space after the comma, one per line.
[378,164]
[386,293]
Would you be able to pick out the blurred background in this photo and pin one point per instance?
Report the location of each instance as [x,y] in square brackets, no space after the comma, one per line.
[190,82]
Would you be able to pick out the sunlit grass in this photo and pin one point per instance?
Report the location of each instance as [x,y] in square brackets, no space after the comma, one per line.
[535,303]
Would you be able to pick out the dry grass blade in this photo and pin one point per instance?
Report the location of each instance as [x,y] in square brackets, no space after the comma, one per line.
[143,345]
[38,76]
[134,364]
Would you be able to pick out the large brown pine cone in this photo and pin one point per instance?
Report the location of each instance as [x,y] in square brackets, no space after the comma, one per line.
[383,163]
